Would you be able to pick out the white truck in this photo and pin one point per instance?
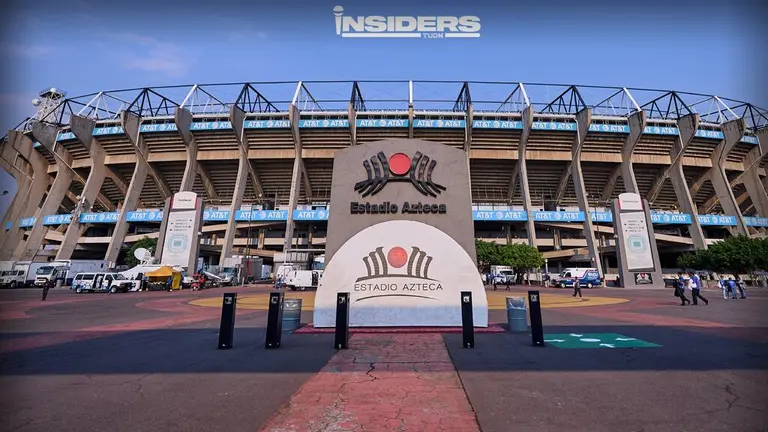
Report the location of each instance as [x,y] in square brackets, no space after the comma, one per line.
[11,278]
[67,270]
[29,269]
[306,279]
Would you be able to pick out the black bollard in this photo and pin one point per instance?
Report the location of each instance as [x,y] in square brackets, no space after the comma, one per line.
[341,341]
[227,327]
[275,320]
[467,320]
[537,329]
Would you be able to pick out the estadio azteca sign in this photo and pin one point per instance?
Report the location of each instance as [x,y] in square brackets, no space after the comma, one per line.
[403,261]
[398,168]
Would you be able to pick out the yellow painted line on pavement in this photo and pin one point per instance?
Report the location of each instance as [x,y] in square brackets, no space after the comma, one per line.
[496,300]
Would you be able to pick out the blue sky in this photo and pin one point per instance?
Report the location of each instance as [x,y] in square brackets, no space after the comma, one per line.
[85,46]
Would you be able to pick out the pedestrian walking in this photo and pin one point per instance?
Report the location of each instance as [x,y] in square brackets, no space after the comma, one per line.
[680,289]
[506,283]
[495,282]
[695,283]
[46,287]
[732,288]
[741,286]
[724,287]
[576,287]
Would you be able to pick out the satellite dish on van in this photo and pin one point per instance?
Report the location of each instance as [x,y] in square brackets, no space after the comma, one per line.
[142,255]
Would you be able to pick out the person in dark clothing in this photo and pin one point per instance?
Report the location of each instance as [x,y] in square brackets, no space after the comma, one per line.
[576,287]
[680,289]
[696,289]
[506,283]
[741,287]
[46,287]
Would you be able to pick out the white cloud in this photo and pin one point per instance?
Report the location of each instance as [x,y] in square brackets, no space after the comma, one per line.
[29,51]
[147,54]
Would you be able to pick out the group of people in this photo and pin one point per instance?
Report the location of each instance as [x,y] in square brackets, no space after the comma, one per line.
[693,285]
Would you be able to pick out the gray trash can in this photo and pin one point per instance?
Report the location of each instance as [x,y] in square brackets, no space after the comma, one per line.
[59,283]
[291,314]
[517,318]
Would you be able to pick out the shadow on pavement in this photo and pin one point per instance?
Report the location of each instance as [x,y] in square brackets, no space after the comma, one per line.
[679,350]
[172,351]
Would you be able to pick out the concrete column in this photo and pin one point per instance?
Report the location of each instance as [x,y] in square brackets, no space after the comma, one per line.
[583,119]
[183,119]
[732,132]
[525,191]
[82,128]
[751,178]
[28,198]
[130,123]
[687,126]
[46,135]
[23,184]
[411,116]
[237,118]
[293,199]
[260,241]
[352,116]
[637,123]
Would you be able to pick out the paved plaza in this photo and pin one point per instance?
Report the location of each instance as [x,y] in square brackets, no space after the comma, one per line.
[619,360]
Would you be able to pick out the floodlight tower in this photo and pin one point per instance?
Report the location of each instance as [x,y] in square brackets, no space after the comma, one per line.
[48,104]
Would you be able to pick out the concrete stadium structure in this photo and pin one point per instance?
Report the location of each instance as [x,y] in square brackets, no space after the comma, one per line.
[93,171]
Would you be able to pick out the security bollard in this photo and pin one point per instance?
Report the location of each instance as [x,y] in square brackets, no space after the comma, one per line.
[275,320]
[227,327]
[537,329]
[341,340]
[467,320]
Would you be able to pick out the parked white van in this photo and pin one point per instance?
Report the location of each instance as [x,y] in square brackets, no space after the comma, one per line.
[103,282]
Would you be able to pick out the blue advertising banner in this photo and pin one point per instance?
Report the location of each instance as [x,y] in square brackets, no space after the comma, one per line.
[214,125]
[8,225]
[27,222]
[716,220]
[261,215]
[382,123]
[94,218]
[57,219]
[145,216]
[659,130]
[158,127]
[496,124]
[606,217]
[558,216]
[701,133]
[499,215]
[321,124]
[310,215]
[750,139]
[439,124]
[267,124]
[609,128]
[671,218]
[215,215]
[554,126]
[756,221]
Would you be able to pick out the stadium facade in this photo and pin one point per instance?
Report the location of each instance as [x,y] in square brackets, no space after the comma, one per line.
[93,172]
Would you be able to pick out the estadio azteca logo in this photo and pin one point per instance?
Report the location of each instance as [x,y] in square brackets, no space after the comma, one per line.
[378,265]
[399,168]
[383,271]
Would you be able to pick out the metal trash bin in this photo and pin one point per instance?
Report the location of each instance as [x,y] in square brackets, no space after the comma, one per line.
[59,283]
[291,314]
[517,317]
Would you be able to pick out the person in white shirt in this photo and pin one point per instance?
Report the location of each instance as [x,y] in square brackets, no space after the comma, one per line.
[695,284]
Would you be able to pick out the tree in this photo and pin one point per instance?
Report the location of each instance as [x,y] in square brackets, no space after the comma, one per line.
[146,243]
[488,254]
[737,255]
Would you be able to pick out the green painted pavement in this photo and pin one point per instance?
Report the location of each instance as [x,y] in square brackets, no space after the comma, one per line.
[595,340]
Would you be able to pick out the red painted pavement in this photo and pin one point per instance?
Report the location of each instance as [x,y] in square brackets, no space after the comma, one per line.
[384,382]
[182,314]
[492,328]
